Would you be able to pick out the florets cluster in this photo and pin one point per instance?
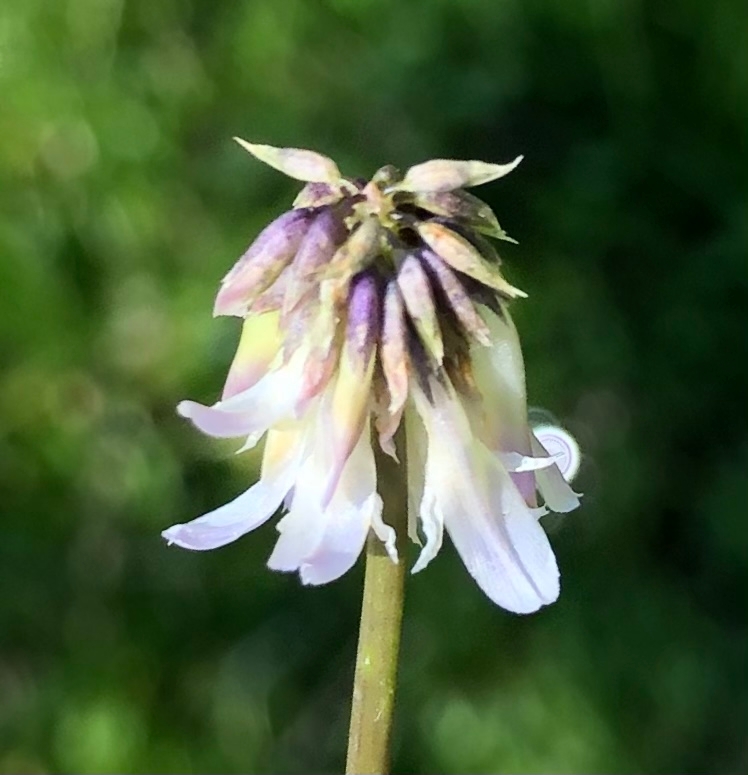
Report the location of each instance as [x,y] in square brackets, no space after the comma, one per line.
[383,301]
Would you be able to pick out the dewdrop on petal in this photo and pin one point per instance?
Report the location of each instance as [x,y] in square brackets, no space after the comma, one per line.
[368,307]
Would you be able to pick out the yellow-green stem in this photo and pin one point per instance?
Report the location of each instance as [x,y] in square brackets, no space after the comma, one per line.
[378,646]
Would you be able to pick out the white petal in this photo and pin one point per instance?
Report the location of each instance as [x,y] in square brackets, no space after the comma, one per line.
[342,542]
[557,494]
[496,534]
[251,412]
[323,543]
[251,509]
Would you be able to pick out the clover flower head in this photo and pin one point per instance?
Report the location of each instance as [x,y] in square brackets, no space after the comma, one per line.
[366,307]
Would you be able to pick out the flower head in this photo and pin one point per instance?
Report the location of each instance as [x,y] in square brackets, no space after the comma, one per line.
[383,304]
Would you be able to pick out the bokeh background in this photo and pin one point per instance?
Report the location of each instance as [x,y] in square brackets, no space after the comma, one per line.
[123,201]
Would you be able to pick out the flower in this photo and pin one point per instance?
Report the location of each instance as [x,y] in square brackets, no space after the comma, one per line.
[383,304]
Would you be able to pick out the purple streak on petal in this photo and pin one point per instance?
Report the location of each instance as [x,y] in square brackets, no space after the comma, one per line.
[364,306]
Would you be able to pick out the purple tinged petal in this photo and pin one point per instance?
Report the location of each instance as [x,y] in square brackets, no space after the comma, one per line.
[317,249]
[262,263]
[362,328]
[457,297]
[350,399]
[461,255]
[386,420]
[415,287]
[271,300]
[463,207]
[499,372]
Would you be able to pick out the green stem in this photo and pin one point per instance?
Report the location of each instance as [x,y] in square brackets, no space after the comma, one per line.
[378,646]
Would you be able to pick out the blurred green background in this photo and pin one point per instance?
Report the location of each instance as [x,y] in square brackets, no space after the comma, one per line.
[123,201]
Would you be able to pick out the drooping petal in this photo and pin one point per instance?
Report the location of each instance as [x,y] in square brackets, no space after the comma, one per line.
[297,163]
[259,345]
[252,508]
[463,256]
[262,263]
[250,413]
[498,537]
[448,174]
[385,533]
[271,299]
[499,372]
[351,393]
[322,543]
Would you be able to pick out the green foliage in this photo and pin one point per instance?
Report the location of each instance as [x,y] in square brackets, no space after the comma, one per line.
[123,200]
